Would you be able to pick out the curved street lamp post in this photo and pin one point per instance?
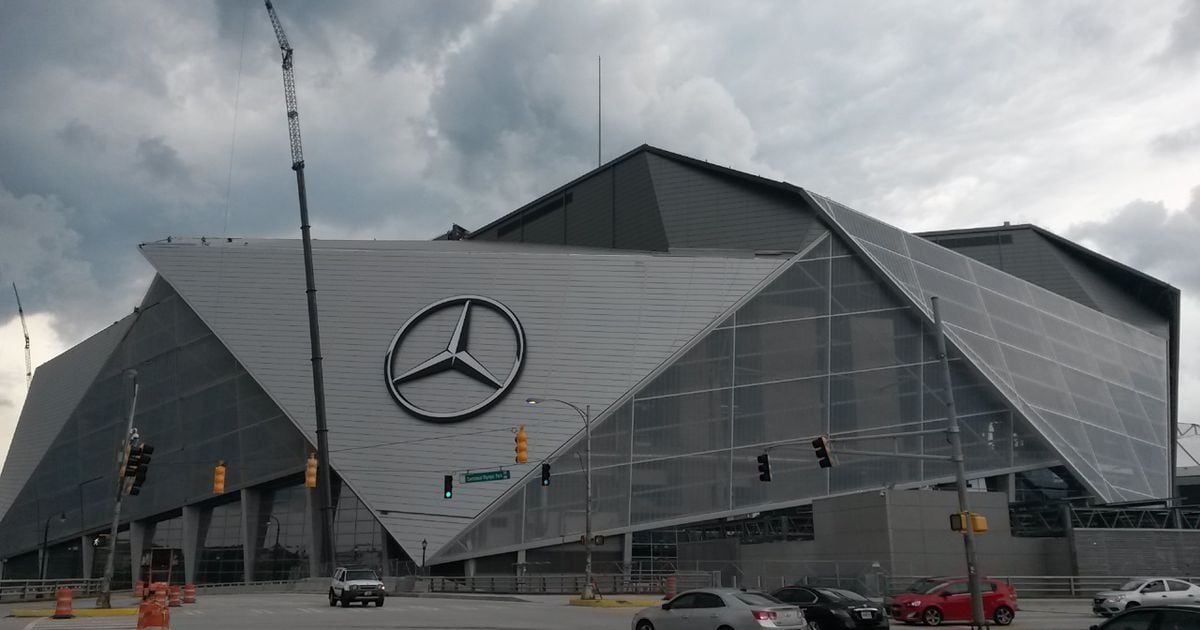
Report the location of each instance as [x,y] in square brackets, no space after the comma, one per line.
[62,518]
[585,414]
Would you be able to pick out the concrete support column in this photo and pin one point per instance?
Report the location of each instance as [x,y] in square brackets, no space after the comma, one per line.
[252,520]
[627,555]
[192,534]
[469,567]
[520,566]
[138,534]
[86,555]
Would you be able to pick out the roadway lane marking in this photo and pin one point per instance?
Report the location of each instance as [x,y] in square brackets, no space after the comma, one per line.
[85,623]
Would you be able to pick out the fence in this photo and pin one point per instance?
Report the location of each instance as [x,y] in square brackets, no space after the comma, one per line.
[569,583]
[44,589]
[1043,586]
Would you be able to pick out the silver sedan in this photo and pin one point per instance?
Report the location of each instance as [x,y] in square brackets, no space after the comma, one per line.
[720,609]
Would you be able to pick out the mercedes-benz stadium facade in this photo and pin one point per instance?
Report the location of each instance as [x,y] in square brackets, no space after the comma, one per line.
[700,316]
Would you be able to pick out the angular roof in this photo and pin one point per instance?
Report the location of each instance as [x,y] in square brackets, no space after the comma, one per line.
[57,387]
[595,321]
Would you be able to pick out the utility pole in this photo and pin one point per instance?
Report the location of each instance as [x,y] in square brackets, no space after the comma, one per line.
[104,600]
[314,331]
[960,473]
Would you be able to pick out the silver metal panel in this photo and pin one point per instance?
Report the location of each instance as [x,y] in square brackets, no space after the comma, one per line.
[596,323]
[58,385]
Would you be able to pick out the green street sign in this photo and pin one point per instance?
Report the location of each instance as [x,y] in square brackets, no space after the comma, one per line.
[491,475]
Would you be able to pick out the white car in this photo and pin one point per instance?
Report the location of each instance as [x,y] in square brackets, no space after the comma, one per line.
[720,608]
[1145,592]
[355,585]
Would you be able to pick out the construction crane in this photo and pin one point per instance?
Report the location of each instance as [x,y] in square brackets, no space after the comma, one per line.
[314,332]
[24,329]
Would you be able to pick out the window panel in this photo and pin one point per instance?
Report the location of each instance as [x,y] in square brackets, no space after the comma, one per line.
[673,487]
[705,366]
[802,290]
[869,340]
[782,351]
[688,423]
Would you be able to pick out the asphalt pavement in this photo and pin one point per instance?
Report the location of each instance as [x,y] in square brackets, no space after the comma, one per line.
[293,611]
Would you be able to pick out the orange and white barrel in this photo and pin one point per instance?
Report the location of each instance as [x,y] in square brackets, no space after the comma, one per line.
[189,593]
[62,603]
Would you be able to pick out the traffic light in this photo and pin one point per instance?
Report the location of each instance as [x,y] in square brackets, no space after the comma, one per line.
[764,467]
[135,468]
[978,522]
[310,471]
[219,478]
[522,448]
[448,487]
[545,474]
[821,446]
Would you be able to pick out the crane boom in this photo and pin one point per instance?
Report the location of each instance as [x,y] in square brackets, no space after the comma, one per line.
[289,89]
[25,330]
[324,473]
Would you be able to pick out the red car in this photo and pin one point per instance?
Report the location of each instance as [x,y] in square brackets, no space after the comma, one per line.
[933,601]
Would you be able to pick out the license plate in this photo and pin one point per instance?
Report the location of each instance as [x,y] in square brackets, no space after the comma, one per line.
[867,614]
[787,614]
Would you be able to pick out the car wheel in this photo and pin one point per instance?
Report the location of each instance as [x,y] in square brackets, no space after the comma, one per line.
[379,603]
[645,625]
[1003,615]
[332,598]
[932,616]
[1132,605]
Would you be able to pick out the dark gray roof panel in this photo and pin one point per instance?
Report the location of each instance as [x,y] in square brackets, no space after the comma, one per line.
[58,385]
[596,322]
[702,208]
[590,211]
[638,224]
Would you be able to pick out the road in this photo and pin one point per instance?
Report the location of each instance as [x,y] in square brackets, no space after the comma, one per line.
[311,612]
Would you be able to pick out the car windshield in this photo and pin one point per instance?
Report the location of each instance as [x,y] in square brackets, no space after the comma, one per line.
[842,594]
[360,574]
[924,586]
[1131,585]
[759,599]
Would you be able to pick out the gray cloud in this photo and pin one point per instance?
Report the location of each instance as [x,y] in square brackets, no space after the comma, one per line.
[161,161]
[1148,236]
[79,135]
[1184,42]
[1179,141]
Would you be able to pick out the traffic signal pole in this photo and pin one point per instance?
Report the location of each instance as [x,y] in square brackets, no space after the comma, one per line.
[960,473]
[104,600]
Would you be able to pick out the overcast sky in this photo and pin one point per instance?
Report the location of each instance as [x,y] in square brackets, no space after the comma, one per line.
[125,122]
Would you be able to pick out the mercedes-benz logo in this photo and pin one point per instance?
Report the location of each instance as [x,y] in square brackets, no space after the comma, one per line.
[456,356]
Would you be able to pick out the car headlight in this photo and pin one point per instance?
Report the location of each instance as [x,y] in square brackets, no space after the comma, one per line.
[382,587]
[354,587]
[914,603]
[1117,598]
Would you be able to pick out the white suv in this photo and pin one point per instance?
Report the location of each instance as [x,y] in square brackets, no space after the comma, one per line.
[355,585]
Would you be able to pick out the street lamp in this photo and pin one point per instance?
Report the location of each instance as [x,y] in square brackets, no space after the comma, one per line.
[586,415]
[62,518]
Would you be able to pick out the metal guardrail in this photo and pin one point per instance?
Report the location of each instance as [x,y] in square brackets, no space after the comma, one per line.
[18,590]
[564,584]
[1046,586]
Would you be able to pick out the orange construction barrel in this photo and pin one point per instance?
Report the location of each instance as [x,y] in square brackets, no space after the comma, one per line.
[176,596]
[160,592]
[189,593]
[62,603]
[139,589]
[153,615]
[671,587]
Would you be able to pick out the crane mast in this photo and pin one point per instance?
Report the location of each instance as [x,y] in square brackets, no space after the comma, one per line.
[25,330]
[324,474]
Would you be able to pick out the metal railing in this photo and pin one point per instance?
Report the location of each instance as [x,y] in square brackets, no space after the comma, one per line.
[1044,586]
[44,589]
[572,583]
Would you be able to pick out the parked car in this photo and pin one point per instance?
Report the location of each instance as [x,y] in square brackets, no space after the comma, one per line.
[1145,592]
[1181,617]
[713,608]
[355,585]
[834,608]
[933,601]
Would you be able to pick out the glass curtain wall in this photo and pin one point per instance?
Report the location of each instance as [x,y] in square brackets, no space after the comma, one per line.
[1095,387]
[162,558]
[219,554]
[196,405]
[824,348]
[359,538]
[282,535]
